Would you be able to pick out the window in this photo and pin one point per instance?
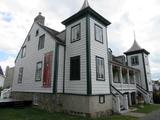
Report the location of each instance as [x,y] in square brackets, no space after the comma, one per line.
[101,99]
[75,68]
[38,71]
[23,53]
[100,74]
[134,60]
[98,33]
[20,75]
[75,33]
[29,37]
[37,32]
[41,42]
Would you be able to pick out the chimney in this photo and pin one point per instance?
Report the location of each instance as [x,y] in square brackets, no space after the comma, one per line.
[39,19]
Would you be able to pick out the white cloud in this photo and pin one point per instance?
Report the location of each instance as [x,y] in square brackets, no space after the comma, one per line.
[7,62]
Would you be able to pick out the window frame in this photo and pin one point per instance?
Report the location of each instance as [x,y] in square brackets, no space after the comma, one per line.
[100,79]
[40,42]
[23,52]
[40,62]
[37,32]
[79,24]
[95,35]
[72,78]
[20,75]
[101,99]
[133,59]
[29,37]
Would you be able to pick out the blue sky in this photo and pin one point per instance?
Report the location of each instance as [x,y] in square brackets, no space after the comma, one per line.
[143,16]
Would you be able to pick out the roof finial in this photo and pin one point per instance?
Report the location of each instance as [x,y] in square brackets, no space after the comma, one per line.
[134,35]
[85,4]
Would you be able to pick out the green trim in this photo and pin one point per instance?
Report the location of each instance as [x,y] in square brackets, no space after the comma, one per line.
[145,72]
[136,52]
[85,12]
[64,69]
[56,60]
[88,56]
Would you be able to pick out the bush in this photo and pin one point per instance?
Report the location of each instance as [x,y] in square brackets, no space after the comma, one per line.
[156,97]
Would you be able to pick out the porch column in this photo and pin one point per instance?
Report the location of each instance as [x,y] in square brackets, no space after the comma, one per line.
[117,109]
[111,73]
[134,77]
[128,79]
[130,99]
[121,78]
[120,72]
[125,99]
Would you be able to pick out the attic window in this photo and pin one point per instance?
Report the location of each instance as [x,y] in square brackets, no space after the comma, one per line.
[134,60]
[23,53]
[37,32]
[29,37]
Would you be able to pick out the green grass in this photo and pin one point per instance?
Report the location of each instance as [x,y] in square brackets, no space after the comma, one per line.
[148,108]
[29,113]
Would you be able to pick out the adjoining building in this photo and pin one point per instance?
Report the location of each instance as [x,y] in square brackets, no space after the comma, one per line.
[2,77]
[73,71]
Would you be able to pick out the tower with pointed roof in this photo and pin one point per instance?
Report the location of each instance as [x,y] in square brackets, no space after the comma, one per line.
[137,57]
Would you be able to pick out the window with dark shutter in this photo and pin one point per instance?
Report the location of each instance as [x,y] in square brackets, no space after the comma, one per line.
[41,42]
[75,68]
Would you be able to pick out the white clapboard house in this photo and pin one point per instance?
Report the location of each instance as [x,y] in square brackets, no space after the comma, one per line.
[74,71]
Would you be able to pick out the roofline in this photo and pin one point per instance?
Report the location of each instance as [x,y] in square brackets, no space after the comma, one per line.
[136,52]
[83,12]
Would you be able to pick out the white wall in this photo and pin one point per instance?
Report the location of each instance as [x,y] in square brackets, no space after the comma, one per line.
[100,50]
[1,81]
[75,49]
[60,69]
[140,67]
[33,55]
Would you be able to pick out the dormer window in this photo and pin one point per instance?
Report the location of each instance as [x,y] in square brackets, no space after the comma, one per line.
[98,33]
[134,60]
[37,32]
[23,53]
[76,33]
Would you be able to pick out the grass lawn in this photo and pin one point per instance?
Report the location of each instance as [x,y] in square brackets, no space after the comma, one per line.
[29,113]
[148,108]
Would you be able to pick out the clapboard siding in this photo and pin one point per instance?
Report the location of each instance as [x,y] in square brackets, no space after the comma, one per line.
[33,55]
[75,49]
[60,69]
[99,49]
[140,67]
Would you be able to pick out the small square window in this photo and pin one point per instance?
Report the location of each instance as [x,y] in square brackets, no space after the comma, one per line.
[20,75]
[41,42]
[98,33]
[23,53]
[134,60]
[75,68]
[76,34]
[37,33]
[38,71]
[102,99]
[100,71]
